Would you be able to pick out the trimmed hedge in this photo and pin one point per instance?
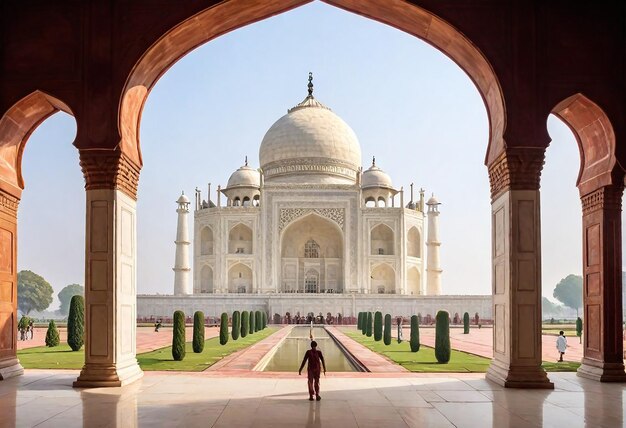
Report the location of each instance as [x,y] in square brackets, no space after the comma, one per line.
[579,328]
[442,337]
[387,330]
[178,337]
[368,325]
[52,335]
[76,323]
[252,323]
[378,326]
[415,334]
[364,323]
[198,332]
[259,321]
[245,323]
[236,325]
[359,318]
[224,329]
[264,314]
[466,322]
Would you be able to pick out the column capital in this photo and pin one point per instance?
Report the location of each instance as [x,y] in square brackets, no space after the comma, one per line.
[8,203]
[604,198]
[517,168]
[110,169]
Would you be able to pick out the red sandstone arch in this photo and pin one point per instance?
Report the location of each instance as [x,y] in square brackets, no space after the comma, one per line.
[16,126]
[228,16]
[596,142]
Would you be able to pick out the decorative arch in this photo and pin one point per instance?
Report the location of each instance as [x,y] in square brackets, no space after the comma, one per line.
[414,243]
[382,240]
[239,279]
[413,281]
[206,280]
[305,227]
[206,241]
[383,279]
[240,239]
[370,202]
[214,21]
[382,202]
[16,126]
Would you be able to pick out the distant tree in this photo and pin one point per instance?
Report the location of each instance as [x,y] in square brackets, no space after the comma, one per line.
[258,319]
[442,337]
[415,334]
[378,326]
[569,291]
[224,329]
[76,323]
[23,322]
[252,330]
[178,336]
[387,330]
[52,335]
[466,323]
[66,295]
[579,329]
[245,323]
[236,330]
[33,292]
[198,332]
[368,325]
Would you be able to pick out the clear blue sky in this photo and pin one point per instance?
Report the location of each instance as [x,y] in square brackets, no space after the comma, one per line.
[410,106]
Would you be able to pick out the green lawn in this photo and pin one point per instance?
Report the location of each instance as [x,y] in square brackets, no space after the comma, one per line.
[62,357]
[424,360]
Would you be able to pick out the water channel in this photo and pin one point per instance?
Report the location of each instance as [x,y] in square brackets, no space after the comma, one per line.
[289,353]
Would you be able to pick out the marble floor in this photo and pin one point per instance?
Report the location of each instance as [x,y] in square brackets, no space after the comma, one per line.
[45,398]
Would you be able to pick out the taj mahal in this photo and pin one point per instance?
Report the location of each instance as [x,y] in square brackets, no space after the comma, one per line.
[309,230]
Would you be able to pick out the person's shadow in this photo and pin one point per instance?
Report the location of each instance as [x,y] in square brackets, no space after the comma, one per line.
[315,415]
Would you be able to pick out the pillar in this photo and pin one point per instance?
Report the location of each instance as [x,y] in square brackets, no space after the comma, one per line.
[602,285]
[9,364]
[110,269]
[433,269]
[516,269]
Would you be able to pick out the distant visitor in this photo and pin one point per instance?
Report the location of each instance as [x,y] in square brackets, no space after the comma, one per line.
[315,364]
[561,345]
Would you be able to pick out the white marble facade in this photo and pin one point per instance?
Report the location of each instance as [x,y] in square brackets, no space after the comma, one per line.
[310,219]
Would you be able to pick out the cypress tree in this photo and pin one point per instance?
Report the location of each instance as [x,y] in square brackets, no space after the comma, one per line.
[252,323]
[358,320]
[198,332]
[236,325]
[579,329]
[364,323]
[368,325]
[76,323]
[466,322]
[387,332]
[224,329]
[259,321]
[442,337]
[52,335]
[178,338]
[415,334]
[245,323]
[378,326]
[264,314]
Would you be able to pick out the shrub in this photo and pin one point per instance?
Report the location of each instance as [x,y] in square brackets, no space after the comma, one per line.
[264,314]
[23,322]
[52,335]
[378,326]
[387,333]
[415,334]
[368,325]
[259,321]
[198,332]
[245,323]
[224,329]
[76,323]
[579,329]
[364,323]
[442,337]
[466,322]
[178,338]
[358,320]
[236,325]
[252,323]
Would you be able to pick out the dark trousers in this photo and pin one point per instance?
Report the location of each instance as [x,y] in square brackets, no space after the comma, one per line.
[314,383]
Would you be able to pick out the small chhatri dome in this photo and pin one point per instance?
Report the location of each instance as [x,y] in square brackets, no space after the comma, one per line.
[244,177]
[183,199]
[375,177]
[433,201]
[312,143]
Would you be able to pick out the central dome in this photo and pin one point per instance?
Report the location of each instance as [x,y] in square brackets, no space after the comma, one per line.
[310,144]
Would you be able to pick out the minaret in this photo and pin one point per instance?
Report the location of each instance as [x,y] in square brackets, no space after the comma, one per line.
[182,270]
[433,280]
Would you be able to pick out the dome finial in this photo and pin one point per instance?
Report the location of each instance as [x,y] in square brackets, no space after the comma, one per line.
[373,160]
[310,85]
[246,160]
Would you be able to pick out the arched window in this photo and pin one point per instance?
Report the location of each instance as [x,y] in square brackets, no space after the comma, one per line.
[246,202]
[370,202]
[236,202]
[256,201]
[311,250]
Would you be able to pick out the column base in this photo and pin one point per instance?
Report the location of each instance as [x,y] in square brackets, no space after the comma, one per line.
[518,377]
[10,368]
[105,376]
[602,372]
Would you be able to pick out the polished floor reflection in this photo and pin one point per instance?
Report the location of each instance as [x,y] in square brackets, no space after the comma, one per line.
[46,399]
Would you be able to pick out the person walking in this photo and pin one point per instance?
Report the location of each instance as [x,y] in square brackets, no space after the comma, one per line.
[314,358]
[31,326]
[561,345]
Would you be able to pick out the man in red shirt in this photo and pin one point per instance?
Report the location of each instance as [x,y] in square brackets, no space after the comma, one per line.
[314,357]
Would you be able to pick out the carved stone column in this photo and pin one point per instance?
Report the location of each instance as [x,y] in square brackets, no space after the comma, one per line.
[9,364]
[602,285]
[110,269]
[516,269]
